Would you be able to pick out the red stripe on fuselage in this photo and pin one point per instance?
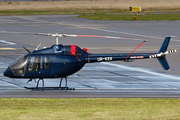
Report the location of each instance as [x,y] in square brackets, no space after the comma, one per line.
[73,50]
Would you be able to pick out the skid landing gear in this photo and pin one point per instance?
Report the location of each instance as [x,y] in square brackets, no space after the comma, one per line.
[50,88]
[65,84]
[42,83]
[30,80]
[37,87]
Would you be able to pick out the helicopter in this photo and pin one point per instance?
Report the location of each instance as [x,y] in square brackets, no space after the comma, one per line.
[60,61]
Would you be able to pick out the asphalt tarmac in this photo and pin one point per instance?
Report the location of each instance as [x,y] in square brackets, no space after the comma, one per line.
[137,79]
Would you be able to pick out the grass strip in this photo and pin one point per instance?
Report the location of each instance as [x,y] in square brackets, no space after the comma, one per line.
[56,11]
[132,17]
[102,14]
[75,108]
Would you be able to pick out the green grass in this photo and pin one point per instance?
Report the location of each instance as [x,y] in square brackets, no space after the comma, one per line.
[130,17]
[81,109]
[56,12]
[102,14]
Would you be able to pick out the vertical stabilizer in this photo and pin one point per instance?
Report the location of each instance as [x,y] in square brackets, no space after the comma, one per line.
[165,45]
[162,60]
[164,63]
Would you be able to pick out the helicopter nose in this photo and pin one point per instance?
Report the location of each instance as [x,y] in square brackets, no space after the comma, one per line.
[7,72]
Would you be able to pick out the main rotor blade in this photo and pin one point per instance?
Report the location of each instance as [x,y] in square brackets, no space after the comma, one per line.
[27,50]
[11,32]
[110,37]
[69,35]
[95,36]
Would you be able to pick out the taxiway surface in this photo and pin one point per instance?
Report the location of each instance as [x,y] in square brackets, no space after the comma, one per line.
[141,78]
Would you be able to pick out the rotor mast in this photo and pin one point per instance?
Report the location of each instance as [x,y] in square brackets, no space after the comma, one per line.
[56,40]
[57,35]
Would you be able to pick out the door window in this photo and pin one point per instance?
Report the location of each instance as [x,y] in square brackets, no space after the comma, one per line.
[78,51]
[46,62]
[35,64]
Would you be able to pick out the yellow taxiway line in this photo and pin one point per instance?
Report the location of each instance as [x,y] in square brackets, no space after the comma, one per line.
[7,48]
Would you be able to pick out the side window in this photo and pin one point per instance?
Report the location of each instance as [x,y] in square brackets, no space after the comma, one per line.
[78,51]
[46,62]
[68,50]
[35,64]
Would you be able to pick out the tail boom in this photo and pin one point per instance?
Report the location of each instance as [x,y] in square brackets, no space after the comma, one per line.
[161,56]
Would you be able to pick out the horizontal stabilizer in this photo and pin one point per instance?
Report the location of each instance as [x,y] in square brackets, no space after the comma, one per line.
[164,63]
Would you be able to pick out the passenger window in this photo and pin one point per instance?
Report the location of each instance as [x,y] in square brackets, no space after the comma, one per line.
[67,50]
[78,51]
[35,64]
[46,62]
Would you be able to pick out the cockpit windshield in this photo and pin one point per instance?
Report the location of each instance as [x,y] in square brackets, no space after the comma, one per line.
[19,66]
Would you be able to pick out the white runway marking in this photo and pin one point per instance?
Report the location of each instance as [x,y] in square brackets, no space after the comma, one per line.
[129,33]
[143,70]
[6,42]
[135,34]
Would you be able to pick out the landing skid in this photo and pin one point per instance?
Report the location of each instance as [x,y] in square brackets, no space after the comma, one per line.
[49,88]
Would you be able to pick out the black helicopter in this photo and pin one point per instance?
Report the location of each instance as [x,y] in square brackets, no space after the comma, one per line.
[60,61]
